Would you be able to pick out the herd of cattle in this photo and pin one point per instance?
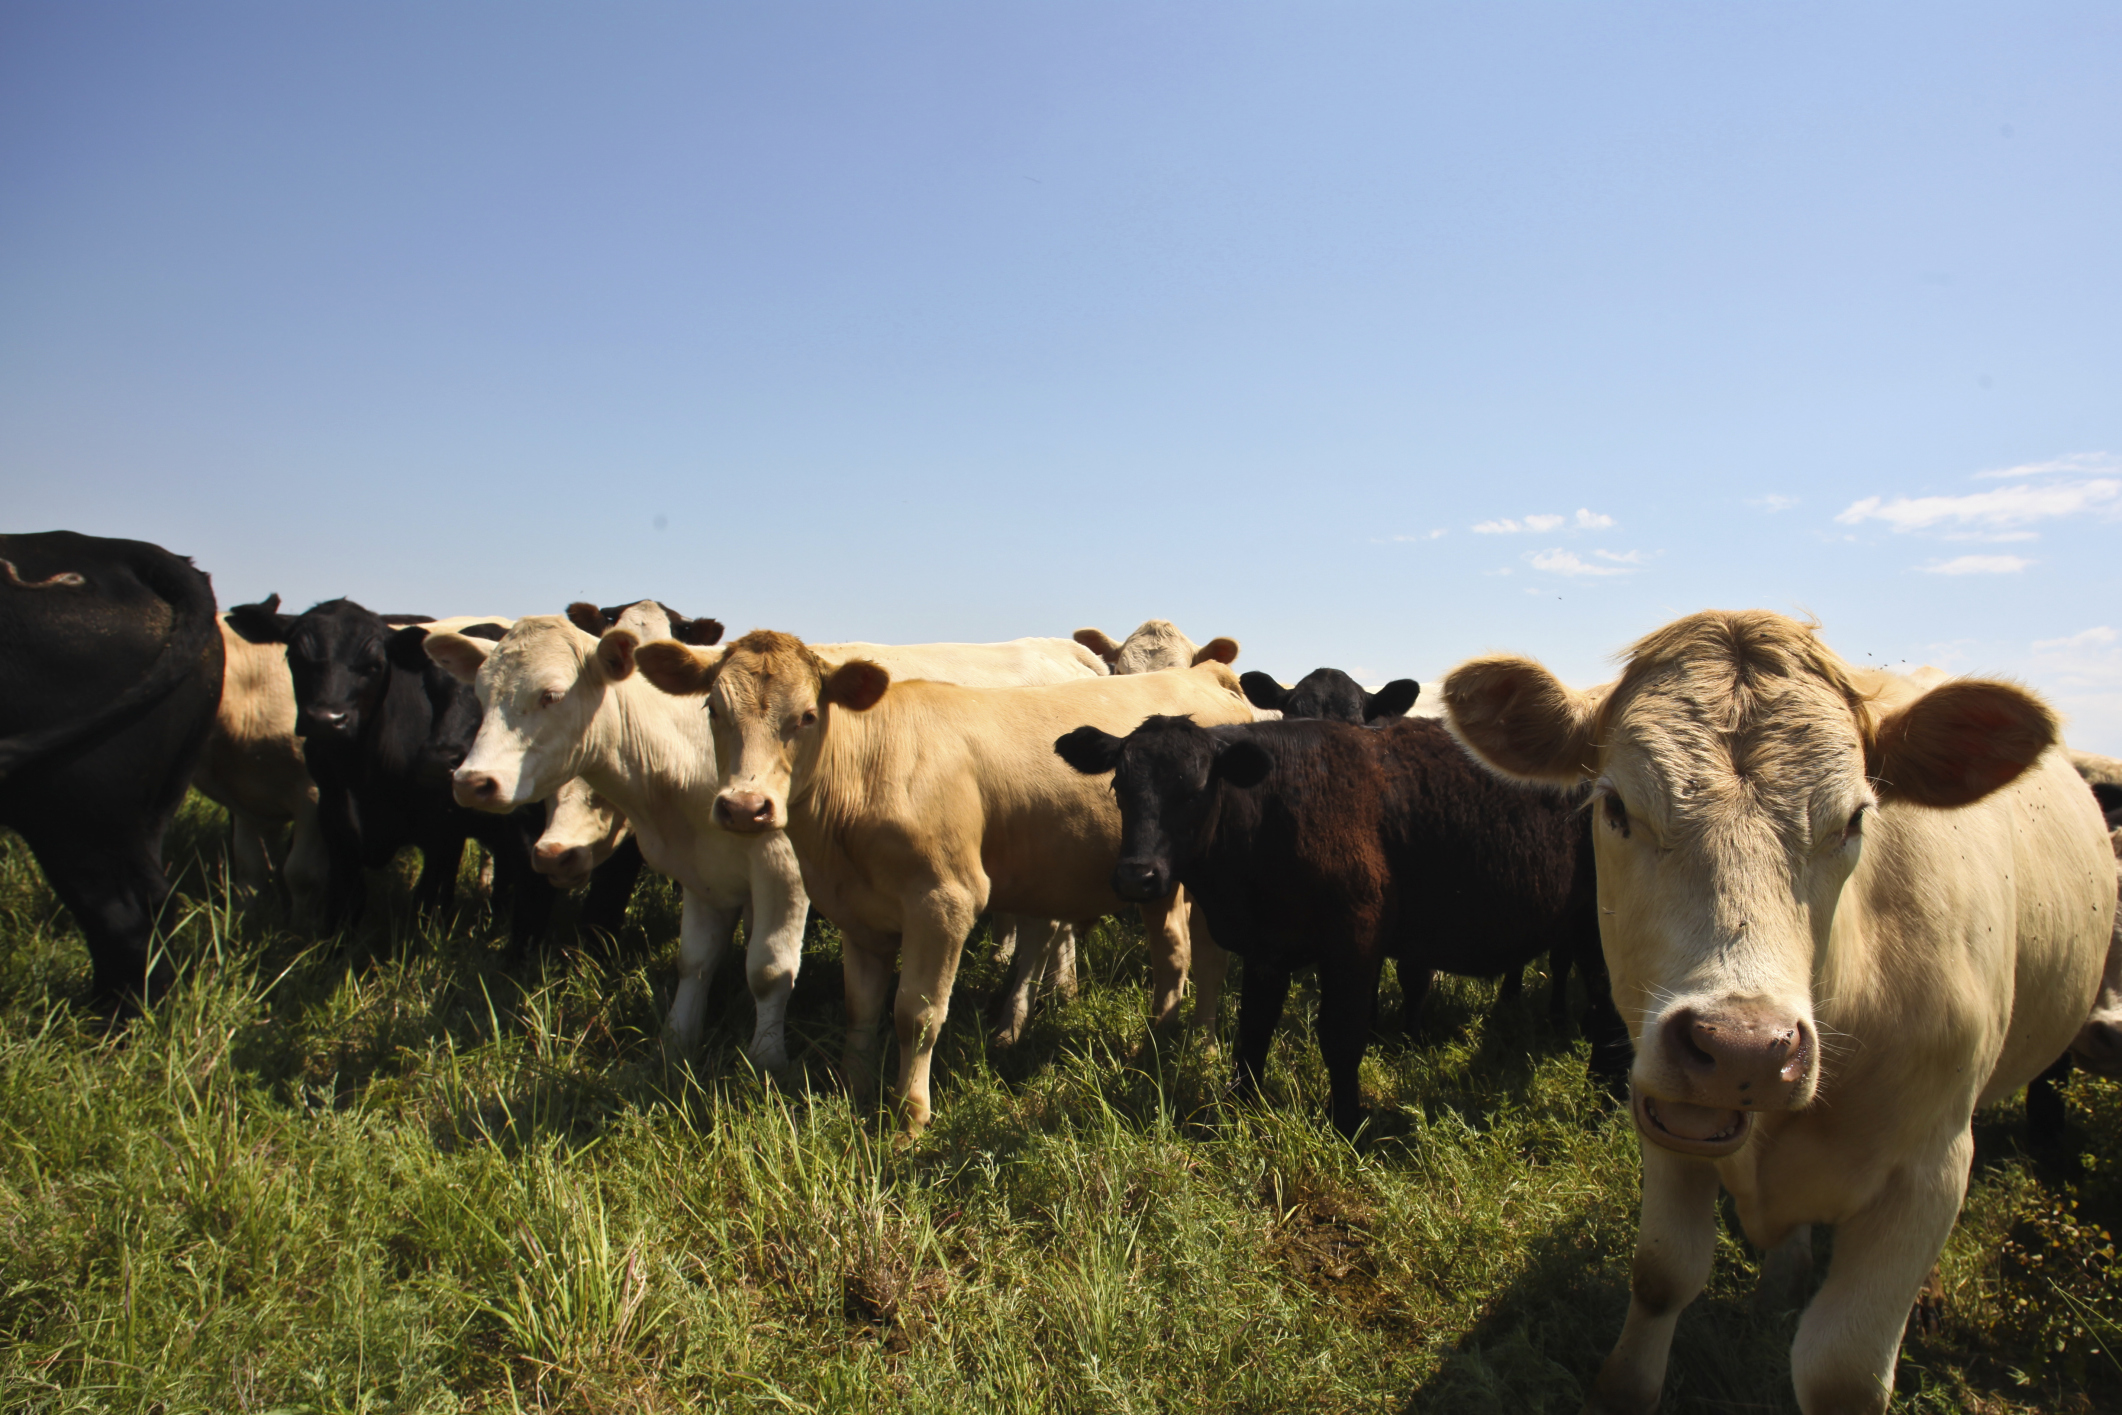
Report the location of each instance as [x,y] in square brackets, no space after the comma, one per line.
[1822,914]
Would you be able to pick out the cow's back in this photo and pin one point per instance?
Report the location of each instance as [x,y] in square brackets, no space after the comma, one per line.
[1013,663]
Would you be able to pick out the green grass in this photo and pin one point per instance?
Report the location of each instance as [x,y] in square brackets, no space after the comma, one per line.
[392,1175]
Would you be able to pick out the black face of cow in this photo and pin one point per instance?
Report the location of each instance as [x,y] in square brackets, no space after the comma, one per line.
[1165,777]
[453,707]
[338,655]
[1332,696]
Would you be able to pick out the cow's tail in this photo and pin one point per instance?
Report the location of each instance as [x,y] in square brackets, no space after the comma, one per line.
[190,596]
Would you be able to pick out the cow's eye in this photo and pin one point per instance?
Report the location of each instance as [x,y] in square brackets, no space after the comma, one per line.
[1617,814]
[549,697]
[809,718]
[1855,829]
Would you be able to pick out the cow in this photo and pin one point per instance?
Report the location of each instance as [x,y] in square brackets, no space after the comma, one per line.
[110,673]
[1841,911]
[382,730]
[642,617]
[252,766]
[1319,843]
[915,806]
[1155,645]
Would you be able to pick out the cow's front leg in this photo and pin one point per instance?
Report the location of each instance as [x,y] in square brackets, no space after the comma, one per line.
[1348,993]
[1265,990]
[1211,965]
[773,951]
[703,935]
[936,926]
[866,973]
[1037,943]
[1170,953]
[1674,1245]
[1842,1362]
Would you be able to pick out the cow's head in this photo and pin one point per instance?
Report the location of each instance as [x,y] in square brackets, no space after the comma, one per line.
[1330,694]
[581,831]
[646,619]
[1166,777]
[540,691]
[338,654]
[1737,769]
[1155,646]
[769,700]
[452,707]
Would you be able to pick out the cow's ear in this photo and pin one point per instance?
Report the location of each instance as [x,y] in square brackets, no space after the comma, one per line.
[1099,643]
[1959,742]
[1217,650]
[1392,700]
[261,623]
[491,632]
[588,618]
[676,668]
[700,633]
[1262,691]
[1519,719]
[1089,750]
[615,655]
[1244,764]
[856,685]
[404,650]
[460,657]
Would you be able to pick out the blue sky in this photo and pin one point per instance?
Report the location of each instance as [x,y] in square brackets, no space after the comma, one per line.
[1372,335]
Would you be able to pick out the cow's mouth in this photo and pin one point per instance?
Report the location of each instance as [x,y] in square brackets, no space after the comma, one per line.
[1707,1132]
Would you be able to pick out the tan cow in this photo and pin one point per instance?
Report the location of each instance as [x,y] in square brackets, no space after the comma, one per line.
[1155,645]
[252,765]
[1841,912]
[916,805]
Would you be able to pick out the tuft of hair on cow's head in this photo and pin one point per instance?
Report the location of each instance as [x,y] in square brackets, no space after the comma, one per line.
[1959,742]
[1392,700]
[1217,650]
[261,623]
[678,669]
[855,685]
[1262,691]
[1089,750]
[1098,642]
[590,619]
[460,656]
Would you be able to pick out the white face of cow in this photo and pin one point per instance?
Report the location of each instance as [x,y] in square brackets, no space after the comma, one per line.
[1155,646]
[542,687]
[1736,768]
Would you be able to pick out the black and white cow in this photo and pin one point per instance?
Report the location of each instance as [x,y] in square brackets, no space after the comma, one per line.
[110,671]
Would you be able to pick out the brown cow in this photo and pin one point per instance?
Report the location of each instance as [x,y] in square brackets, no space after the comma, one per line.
[915,806]
[1841,912]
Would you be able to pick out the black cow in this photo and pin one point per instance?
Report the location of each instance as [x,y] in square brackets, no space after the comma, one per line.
[1331,695]
[110,672]
[382,728]
[1313,842]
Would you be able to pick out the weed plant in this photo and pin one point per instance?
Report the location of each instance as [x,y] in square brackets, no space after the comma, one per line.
[387,1173]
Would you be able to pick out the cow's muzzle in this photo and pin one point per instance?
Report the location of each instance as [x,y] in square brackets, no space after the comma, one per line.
[568,865]
[746,812]
[479,790]
[326,722]
[1141,881]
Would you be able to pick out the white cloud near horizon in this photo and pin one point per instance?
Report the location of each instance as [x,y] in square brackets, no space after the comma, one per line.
[1774,501]
[2076,463]
[1586,519]
[2002,513]
[1567,562]
[1979,565]
[2083,639]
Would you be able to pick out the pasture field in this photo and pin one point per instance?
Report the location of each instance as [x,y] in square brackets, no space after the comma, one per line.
[392,1175]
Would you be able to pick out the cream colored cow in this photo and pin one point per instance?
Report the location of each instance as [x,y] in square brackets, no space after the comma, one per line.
[914,806]
[1155,646]
[1841,911]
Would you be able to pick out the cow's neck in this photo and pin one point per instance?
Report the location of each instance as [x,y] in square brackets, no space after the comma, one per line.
[829,779]
[650,754]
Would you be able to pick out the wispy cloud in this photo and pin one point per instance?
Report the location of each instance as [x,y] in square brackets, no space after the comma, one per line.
[1404,540]
[1567,562]
[2047,491]
[1773,502]
[1622,557]
[2084,639]
[1979,565]
[1585,520]
[2076,464]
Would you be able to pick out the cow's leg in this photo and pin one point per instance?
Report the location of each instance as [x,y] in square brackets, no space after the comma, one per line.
[1004,929]
[1414,987]
[866,971]
[1037,943]
[115,892]
[936,927]
[437,885]
[1674,1245]
[531,897]
[2045,1114]
[250,854]
[1786,1270]
[1263,993]
[1558,965]
[1842,1362]
[773,953]
[611,889]
[1211,967]
[1164,929]
[703,937]
[308,872]
[1348,994]
[346,890]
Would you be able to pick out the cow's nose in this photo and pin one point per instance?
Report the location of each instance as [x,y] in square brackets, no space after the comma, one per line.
[475,788]
[330,719]
[558,859]
[1139,879]
[744,810]
[1742,1057]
